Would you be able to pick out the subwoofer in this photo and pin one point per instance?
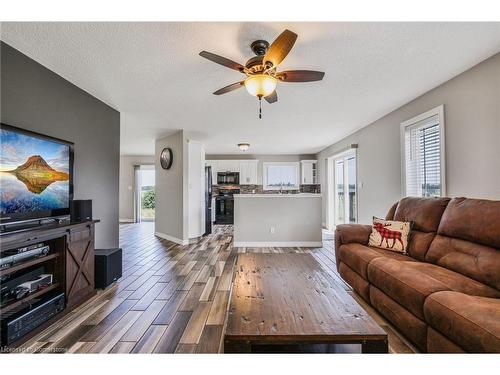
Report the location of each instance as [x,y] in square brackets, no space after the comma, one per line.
[108,267]
[81,209]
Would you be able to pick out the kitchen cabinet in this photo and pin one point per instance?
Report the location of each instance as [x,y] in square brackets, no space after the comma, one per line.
[248,172]
[309,171]
[228,165]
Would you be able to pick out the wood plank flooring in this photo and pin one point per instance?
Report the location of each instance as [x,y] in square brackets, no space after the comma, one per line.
[171,298]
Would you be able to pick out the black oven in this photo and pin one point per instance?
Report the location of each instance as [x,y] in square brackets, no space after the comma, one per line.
[224,206]
[228,178]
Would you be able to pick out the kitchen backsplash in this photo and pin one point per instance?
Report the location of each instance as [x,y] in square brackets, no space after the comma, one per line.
[258,189]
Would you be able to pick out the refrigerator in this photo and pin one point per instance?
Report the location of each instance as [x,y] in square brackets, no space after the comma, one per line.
[208,200]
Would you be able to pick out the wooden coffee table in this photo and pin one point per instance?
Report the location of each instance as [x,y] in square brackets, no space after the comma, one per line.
[287,300]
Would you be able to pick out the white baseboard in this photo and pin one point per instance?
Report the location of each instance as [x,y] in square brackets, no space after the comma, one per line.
[194,240]
[171,238]
[126,220]
[279,244]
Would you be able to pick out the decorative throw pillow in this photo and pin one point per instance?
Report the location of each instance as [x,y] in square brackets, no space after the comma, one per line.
[390,235]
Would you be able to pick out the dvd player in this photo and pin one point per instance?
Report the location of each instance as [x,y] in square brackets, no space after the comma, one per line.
[12,257]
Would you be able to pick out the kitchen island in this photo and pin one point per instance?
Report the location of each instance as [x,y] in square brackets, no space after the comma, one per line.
[277,220]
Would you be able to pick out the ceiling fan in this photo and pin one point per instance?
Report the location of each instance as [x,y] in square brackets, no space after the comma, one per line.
[261,70]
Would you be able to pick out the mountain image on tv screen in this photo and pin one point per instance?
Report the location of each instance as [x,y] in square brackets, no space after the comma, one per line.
[34,174]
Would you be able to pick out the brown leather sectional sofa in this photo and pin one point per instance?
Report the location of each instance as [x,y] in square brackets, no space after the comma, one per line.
[445,294]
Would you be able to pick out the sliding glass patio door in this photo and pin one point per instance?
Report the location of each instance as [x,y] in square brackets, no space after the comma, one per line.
[343,199]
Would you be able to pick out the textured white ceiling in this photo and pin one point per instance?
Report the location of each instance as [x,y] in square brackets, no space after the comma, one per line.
[152,74]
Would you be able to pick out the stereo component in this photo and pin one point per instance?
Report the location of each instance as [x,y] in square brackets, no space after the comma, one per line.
[42,281]
[20,286]
[107,267]
[14,256]
[16,327]
[81,209]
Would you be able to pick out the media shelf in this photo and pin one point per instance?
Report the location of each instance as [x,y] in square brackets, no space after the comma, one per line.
[70,261]
[29,264]
[23,303]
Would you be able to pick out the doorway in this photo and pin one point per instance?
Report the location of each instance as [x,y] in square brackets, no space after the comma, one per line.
[145,193]
[342,189]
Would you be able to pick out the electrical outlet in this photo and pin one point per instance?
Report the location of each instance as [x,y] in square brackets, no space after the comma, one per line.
[272,230]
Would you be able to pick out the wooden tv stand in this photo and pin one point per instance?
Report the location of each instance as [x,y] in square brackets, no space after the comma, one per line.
[70,261]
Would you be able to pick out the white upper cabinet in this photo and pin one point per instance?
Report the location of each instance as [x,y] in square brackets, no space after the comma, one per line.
[248,172]
[246,168]
[228,165]
[309,172]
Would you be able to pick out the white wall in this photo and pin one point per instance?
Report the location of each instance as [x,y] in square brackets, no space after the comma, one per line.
[196,186]
[127,184]
[171,210]
[472,132]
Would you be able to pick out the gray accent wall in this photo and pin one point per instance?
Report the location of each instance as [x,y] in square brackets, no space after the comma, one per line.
[127,183]
[37,99]
[472,131]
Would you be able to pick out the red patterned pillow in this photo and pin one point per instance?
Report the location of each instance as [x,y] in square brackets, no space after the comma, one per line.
[390,235]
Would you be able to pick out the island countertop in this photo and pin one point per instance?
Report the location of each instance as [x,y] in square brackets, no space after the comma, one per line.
[299,195]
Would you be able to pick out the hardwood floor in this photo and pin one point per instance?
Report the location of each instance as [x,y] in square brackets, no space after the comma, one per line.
[171,298]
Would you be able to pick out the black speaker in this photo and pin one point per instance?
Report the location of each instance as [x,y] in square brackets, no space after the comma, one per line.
[81,209]
[108,267]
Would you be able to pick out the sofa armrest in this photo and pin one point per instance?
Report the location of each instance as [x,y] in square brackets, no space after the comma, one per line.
[350,233]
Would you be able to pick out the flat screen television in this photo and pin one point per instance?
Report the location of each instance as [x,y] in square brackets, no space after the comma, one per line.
[36,176]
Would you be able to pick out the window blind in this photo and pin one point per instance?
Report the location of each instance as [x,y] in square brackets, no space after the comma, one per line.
[423,158]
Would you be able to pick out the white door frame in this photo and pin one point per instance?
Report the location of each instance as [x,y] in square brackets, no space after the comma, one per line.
[331,183]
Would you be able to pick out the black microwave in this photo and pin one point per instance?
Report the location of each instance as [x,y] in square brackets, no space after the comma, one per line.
[228,178]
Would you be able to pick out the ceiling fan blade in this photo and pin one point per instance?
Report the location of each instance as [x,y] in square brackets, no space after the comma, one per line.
[272,97]
[228,88]
[300,76]
[280,48]
[222,61]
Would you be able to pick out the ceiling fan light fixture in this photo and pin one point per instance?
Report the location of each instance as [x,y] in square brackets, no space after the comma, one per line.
[243,146]
[260,85]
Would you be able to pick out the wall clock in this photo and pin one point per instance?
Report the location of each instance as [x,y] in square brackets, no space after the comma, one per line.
[166,158]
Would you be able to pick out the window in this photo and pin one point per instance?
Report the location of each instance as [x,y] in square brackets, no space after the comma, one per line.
[283,175]
[422,141]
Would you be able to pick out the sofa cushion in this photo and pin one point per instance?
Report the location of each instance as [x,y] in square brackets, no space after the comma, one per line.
[469,321]
[357,257]
[437,343]
[360,285]
[482,263]
[407,286]
[475,220]
[425,213]
[408,324]
[419,244]
[350,233]
[410,283]
[455,281]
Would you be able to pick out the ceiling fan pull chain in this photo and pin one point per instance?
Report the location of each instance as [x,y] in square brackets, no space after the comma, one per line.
[260,107]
